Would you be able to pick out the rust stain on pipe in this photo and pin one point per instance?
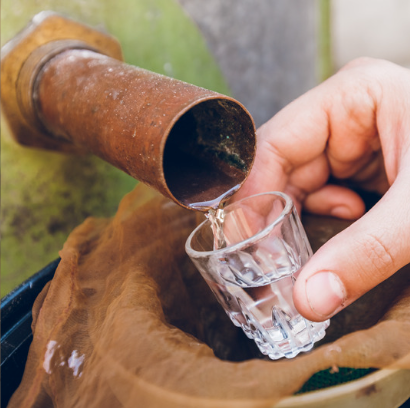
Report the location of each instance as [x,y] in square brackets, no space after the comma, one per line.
[189,143]
[64,87]
[22,58]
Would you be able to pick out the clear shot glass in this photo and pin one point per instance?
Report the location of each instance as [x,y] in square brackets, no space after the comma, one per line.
[253,274]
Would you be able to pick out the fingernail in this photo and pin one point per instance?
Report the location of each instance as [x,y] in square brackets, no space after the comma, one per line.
[325,293]
[341,212]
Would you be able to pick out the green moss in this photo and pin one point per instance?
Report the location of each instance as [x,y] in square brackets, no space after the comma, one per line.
[44,195]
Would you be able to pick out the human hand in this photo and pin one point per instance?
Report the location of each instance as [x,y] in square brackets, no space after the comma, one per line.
[355,127]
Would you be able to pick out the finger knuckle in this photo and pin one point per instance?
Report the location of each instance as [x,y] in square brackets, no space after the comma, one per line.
[378,255]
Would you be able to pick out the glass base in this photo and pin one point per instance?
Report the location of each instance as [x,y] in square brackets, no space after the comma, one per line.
[279,341]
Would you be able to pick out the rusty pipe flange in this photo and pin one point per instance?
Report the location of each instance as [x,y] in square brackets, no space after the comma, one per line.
[26,80]
[22,58]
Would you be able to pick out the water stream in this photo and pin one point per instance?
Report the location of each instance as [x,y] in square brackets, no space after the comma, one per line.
[216,215]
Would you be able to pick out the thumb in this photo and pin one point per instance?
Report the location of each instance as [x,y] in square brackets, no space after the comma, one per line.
[357,259]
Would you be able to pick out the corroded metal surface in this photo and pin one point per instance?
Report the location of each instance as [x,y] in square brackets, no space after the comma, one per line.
[189,143]
[183,140]
[45,28]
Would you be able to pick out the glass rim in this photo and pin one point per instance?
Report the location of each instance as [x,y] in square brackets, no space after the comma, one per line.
[192,253]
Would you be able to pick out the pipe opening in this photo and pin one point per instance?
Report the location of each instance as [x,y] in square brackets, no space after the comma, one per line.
[209,151]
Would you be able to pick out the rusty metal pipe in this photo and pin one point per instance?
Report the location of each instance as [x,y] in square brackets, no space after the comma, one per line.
[189,143]
[64,87]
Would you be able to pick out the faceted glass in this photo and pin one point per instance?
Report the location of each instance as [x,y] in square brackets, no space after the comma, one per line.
[253,274]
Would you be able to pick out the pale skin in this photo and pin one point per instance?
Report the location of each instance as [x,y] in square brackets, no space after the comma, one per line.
[355,127]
